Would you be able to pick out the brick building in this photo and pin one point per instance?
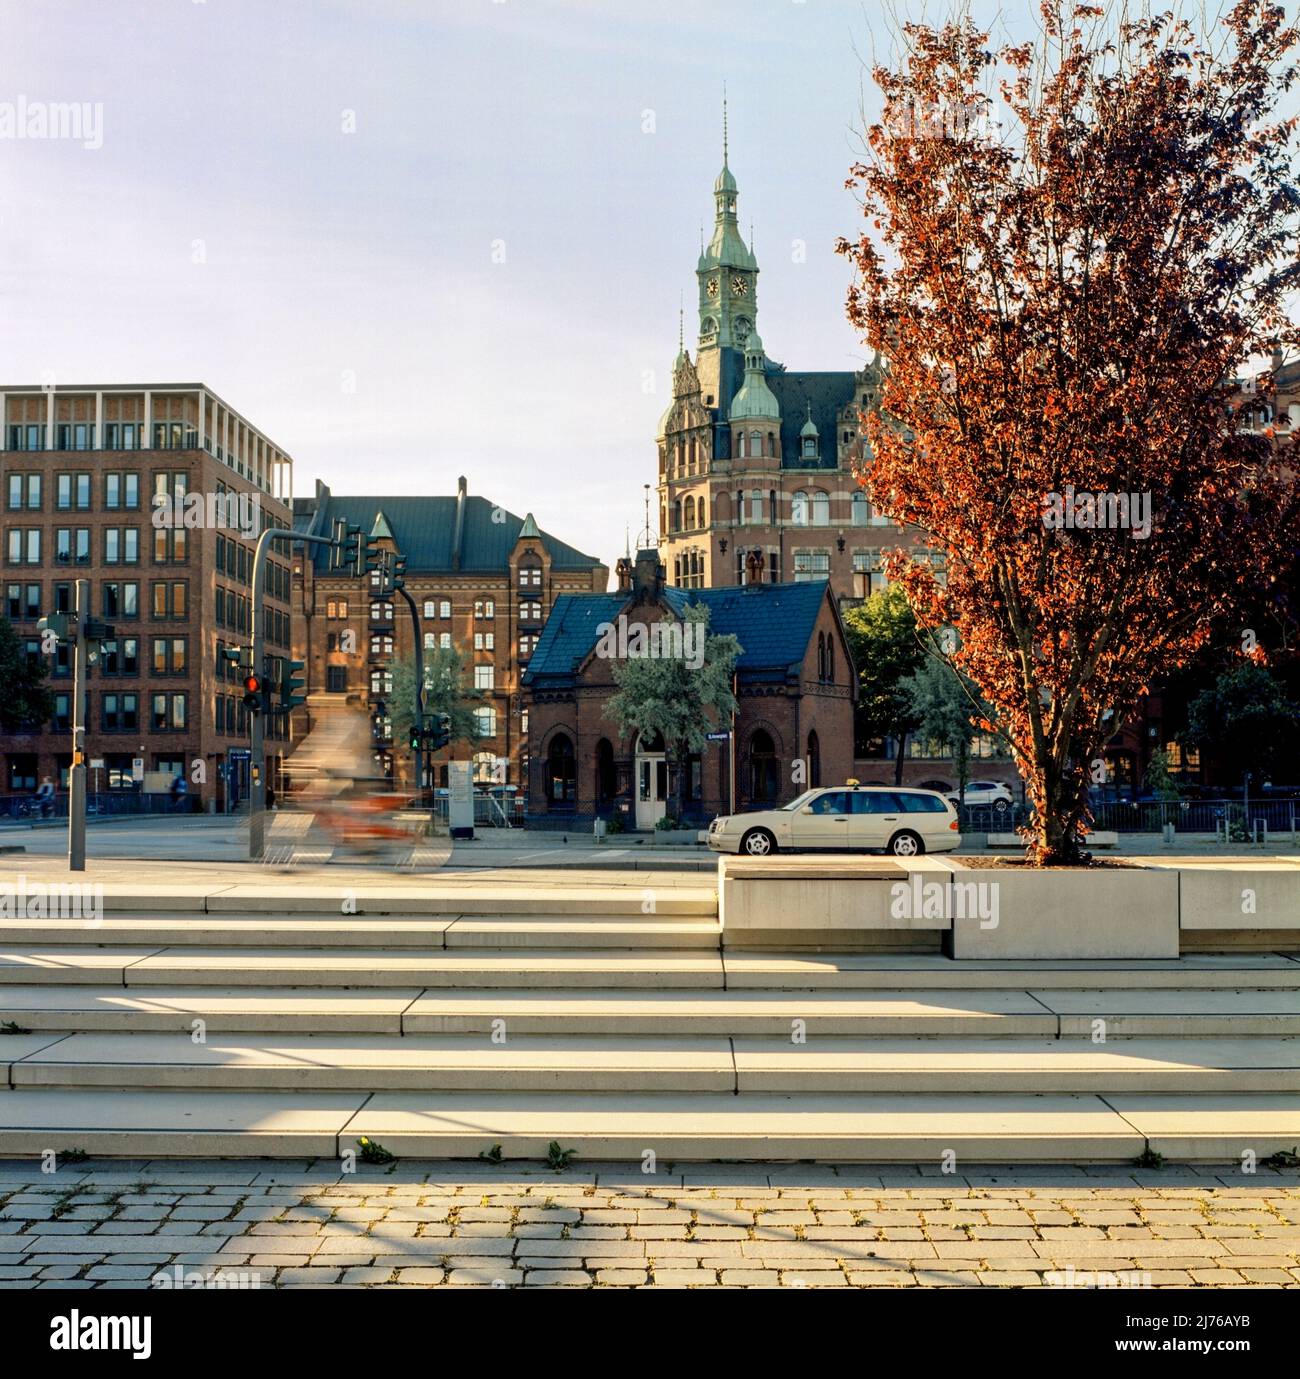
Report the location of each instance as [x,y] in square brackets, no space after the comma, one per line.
[81,469]
[795,683]
[483,581]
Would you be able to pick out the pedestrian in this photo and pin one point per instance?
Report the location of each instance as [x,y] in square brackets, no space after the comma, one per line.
[45,797]
[180,788]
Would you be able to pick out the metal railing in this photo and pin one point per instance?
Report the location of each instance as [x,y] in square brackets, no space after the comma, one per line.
[28,809]
[490,811]
[1231,817]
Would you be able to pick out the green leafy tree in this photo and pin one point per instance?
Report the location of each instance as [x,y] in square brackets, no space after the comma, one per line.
[946,706]
[1247,718]
[447,690]
[882,636]
[1160,777]
[666,696]
[26,702]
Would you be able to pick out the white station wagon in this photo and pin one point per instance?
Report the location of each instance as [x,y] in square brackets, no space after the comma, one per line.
[847,818]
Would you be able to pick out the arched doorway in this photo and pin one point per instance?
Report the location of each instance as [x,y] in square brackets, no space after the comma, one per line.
[561,770]
[814,760]
[762,768]
[651,781]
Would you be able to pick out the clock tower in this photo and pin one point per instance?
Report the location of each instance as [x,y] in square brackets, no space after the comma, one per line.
[727,274]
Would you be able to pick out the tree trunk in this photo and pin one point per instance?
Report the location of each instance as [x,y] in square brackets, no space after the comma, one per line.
[898,765]
[1055,839]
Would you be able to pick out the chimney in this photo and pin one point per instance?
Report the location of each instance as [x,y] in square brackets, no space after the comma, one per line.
[623,572]
[648,577]
[458,535]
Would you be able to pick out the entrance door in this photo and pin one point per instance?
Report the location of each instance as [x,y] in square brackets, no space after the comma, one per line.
[651,786]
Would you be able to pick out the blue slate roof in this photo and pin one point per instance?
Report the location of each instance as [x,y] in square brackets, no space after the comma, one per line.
[424,529]
[827,393]
[772,622]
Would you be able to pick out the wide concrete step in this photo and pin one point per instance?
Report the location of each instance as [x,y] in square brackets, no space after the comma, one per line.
[900,971]
[380,932]
[659,893]
[701,1063]
[384,1008]
[632,1126]
[368,967]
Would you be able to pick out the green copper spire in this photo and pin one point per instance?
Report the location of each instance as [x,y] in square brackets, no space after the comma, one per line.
[727,270]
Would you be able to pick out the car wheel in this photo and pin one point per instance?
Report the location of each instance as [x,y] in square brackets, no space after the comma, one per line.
[1002,805]
[758,842]
[906,845]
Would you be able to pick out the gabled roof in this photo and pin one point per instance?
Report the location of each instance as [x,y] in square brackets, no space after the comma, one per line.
[772,622]
[424,530]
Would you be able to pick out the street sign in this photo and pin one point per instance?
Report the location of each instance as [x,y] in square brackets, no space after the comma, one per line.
[137,768]
[241,753]
[718,737]
[97,763]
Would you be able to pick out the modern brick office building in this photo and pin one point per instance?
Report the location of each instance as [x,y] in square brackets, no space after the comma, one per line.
[483,581]
[80,468]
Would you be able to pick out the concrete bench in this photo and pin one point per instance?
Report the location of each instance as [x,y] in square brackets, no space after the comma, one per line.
[1103,838]
[827,902]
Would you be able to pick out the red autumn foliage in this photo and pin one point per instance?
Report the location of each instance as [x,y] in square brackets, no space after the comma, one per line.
[1072,249]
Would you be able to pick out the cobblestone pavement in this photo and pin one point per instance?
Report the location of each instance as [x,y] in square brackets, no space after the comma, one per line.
[108,1225]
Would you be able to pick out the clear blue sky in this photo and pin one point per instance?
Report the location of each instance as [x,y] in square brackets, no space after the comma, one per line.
[330,255]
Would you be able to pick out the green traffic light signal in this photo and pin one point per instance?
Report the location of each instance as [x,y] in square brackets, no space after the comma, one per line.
[293,678]
[438,733]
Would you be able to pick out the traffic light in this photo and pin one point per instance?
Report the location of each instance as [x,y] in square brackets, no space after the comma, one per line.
[253,692]
[353,554]
[56,623]
[416,737]
[228,662]
[292,679]
[438,734]
[397,572]
[375,558]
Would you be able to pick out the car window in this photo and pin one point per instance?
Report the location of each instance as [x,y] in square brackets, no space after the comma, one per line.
[875,802]
[921,804]
[832,802]
[798,802]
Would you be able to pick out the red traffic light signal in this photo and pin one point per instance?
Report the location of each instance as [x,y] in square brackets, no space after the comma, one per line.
[252,684]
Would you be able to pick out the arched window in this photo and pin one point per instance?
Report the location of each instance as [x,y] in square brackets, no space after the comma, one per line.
[756,444]
[690,514]
[740,445]
[799,509]
[821,510]
[814,760]
[703,511]
[810,448]
[677,515]
[771,445]
[722,508]
[861,509]
[762,768]
[694,452]
[606,780]
[561,777]
[821,656]
[677,570]
[830,659]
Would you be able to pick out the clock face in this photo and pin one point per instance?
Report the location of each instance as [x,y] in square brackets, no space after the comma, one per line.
[739,287]
[712,287]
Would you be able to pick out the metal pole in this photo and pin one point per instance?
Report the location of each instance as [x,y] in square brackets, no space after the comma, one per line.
[420,754]
[77,775]
[257,740]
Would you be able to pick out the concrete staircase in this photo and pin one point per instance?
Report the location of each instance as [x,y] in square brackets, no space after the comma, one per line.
[293,1033]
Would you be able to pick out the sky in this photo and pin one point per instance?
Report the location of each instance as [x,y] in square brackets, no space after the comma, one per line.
[415,239]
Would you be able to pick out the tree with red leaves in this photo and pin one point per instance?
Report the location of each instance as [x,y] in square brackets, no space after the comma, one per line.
[1072,249]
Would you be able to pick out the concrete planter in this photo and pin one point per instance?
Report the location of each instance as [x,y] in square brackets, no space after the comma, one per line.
[1120,912]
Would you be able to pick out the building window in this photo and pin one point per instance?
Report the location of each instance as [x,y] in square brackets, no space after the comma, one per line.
[24,546]
[484,677]
[430,608]
[336,608]
[485,722]
[336,679]
[381,612]
[799,509]
[485,641]
[821,510]
[763,773]
[861,509]
[530,576]
[485,608]
[121,713]
[527,645]
[168,713]
[811,565]
[530,610]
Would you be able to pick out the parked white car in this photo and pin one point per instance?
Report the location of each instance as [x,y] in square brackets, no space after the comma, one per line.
[990,794]
[848,818]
